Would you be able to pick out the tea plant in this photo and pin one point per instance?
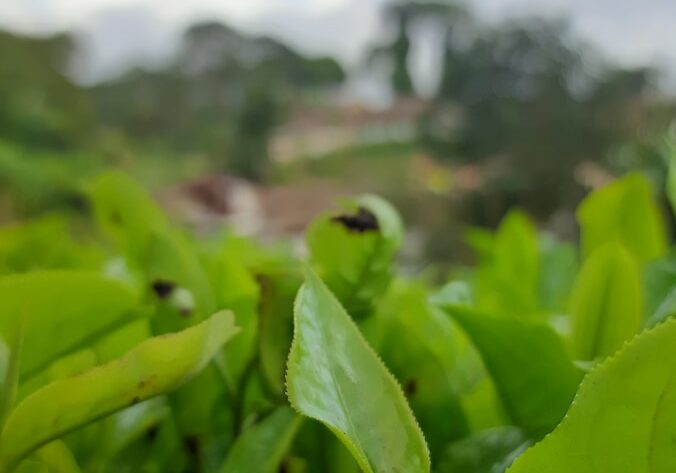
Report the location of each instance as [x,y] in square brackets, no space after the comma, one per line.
[130,346]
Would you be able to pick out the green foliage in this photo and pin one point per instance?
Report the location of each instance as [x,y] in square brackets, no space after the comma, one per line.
[262,448]
[111,359]
[536,391]
[624,210]
[60,312]
[154,367]
[606,303]
[514,250]
[623,417]
[413,340]
[491,450]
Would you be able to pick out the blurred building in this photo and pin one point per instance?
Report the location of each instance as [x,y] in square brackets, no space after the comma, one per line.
[319,130]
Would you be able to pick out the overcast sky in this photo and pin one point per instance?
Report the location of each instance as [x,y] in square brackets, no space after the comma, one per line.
[144,31]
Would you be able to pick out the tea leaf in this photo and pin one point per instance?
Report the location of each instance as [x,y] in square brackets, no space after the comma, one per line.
[487,451]
[353,251]
[261,449]
[155,366]
[61,310]
[623,417]
[532,372]
[335,377]
[624,210]
[606,303]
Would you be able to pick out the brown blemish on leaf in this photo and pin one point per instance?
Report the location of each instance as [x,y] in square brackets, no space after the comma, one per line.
[360,222]
[186,312]
[147,383]
[163,288]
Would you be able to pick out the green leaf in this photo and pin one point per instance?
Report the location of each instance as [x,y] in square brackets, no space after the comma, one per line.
[422,348]
[57,458]
[666,309]
[125,212]
[623,418]
[44,243]
[261,449]
[238,291]
[155,366]
[626,211]
[489,451]
[353,251]
[659,288]
[126,426]
[516,250]
[61,311]
[276,325]
[528,362]
[606,303]
[335,377]
[558,268]
[508,280]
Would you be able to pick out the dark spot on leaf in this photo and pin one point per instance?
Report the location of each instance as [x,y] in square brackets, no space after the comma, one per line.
[135,400]
[283,467]
[186,312]
[147,383]
[410,387]
[360,222]
[192,445]
[163,289]
[151,433]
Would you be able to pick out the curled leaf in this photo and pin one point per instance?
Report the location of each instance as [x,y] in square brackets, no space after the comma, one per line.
[353,251]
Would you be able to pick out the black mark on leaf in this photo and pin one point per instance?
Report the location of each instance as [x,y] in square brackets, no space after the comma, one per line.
[163,289]
[360,222]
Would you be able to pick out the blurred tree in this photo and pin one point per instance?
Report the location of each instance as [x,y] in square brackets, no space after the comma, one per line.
[531,110]
[253,124]
[39,106]
[222,96]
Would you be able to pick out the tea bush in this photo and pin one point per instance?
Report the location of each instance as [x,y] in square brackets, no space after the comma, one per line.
[130,346]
